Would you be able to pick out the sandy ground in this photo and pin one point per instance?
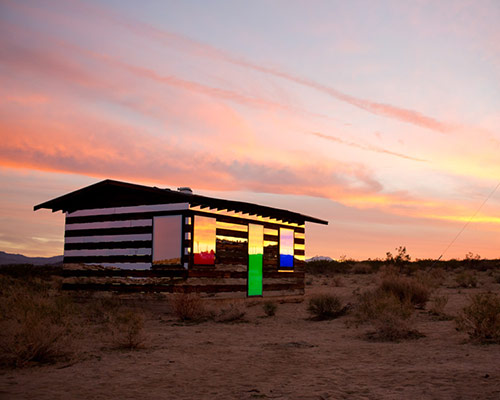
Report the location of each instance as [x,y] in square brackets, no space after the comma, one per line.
[286,356]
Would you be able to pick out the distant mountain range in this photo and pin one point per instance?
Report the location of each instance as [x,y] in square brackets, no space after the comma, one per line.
[6,258]
[319,258]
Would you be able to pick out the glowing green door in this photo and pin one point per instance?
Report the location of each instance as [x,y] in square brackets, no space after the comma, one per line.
[255,258]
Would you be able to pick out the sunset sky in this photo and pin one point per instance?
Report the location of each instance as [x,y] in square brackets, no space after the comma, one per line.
[382,117]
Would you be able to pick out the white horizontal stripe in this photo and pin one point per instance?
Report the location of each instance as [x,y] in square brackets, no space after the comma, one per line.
[124,265]
[128,210]
[109,238]
[110,224]
[107,252]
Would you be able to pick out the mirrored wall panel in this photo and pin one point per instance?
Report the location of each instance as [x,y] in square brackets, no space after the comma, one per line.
[232,244]
[204,240]
[255,259]
[286,248]
[167,240]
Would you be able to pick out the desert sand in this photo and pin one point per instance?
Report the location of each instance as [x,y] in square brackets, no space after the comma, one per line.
[286,356]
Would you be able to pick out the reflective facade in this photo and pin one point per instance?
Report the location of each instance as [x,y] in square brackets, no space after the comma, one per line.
[255,259]
[286,248]
[167,236]
[204,240]
[232,243]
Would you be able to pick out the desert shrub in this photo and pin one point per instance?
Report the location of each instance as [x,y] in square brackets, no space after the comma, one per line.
[374,303]
[480,319]
[270,308]
[325,306]
[497,278]
[33,339]
[362,268]
[101,311]
[233,313]
[388,314]
[400,259]
[188,306]
[392,328]
[438,303]
[35,326]
[432,278]
[318,267]
[127,329]
[406,289]
[29,271]
[472,260]
[466,279]
[337,281]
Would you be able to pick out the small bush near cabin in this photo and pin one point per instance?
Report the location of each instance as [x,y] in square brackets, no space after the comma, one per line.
[233,313]
[127,329]
[35,326]
[188,306]
[322,307]
[480,319]
[269,308]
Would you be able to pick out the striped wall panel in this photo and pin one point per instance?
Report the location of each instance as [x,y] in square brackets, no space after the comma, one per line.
[123,236]
[120,237]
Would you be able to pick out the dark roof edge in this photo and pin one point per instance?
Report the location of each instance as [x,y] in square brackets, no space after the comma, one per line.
[50,204]
[57,204]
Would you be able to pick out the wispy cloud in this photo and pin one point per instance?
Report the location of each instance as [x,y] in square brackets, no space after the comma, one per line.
[375,149]
[185,44]
[205,50]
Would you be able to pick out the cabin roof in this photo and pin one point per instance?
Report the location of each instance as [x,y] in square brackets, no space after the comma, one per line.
[111,193]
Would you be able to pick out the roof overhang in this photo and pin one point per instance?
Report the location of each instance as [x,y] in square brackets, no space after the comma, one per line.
[111,193]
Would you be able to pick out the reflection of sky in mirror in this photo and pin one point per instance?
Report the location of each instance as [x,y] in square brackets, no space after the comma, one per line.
[255,239]
[167,236]
[286,247]
[204,240]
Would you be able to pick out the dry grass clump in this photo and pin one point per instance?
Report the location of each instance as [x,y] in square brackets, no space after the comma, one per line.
[438,303]
[127,329]
[466,279]
[406,289]
[233,313]
[375,303]
[432,278]
[36,326]
[101,311]
[325,306]
[188,307]
[390,307]
[269,308]
[362,268]
[388,314]
[389,326]
[481,318]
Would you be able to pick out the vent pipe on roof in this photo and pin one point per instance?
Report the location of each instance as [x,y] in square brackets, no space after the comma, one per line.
[185,190]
